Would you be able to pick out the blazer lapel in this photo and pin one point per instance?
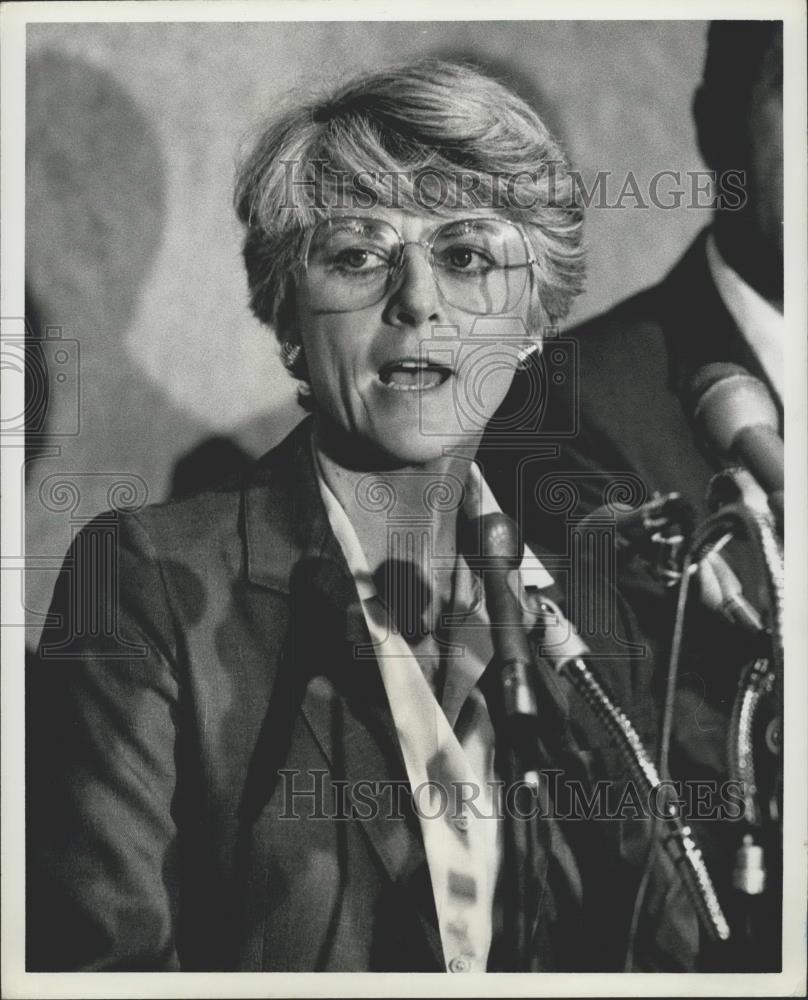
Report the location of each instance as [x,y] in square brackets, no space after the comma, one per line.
[292,549]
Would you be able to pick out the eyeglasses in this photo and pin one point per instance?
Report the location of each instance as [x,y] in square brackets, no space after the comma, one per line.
[480,265]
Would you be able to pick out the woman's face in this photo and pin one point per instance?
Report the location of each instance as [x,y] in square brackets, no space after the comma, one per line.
[399,381]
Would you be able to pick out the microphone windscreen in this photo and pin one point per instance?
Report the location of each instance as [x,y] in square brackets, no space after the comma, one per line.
[500,540]
[725,400]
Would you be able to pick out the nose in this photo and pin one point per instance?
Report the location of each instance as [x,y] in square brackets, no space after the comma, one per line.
[415,297]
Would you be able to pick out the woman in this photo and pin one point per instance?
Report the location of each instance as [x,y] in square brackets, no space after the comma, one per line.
[252,765]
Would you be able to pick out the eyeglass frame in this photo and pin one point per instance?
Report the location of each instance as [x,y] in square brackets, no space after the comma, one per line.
[427,245]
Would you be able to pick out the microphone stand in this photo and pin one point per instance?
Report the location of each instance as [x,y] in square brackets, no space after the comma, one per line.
[564,649]
[515,708]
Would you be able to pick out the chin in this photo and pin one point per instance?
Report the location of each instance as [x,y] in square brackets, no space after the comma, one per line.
[416,446]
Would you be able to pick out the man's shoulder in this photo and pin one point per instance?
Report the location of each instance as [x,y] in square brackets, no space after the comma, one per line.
[636,316]
[624,343]
[619,357]
[638,323]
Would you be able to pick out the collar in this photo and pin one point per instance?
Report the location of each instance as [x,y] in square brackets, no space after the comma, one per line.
[284,520]
[532,572]
[759,322]
[696,325]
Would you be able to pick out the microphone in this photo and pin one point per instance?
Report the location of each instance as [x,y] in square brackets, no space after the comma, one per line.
[721,591]
[637,527]
[656,530]
[500,556]
[737,417]
[568,655]
[492,548]
[494,536]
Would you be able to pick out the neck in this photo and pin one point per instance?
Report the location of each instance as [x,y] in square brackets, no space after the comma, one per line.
[406,522]
[405,518]
[380,503]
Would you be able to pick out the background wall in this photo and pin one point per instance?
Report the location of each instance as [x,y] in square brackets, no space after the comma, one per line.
[133,253]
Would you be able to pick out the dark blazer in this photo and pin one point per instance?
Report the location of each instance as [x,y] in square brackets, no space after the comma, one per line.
[195,704]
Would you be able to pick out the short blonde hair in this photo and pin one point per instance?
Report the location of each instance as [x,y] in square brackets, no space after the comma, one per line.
[430,135]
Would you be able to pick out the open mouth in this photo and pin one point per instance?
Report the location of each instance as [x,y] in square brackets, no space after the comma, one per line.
[413,375]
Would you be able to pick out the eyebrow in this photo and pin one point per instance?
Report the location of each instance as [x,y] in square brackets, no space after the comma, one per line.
[363,225]
[356,224]
[468,225]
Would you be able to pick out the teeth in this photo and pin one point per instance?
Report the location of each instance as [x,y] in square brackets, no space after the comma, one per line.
[412,376]
[418,378]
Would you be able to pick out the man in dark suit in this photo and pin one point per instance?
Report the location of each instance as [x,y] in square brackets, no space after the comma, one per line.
[722,302]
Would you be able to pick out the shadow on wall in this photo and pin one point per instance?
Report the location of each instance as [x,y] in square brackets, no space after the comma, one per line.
[95,181]
[95,215]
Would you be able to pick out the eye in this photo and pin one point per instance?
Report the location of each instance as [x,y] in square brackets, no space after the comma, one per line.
[354,258]
[464,257]
[460,257]
[358,260]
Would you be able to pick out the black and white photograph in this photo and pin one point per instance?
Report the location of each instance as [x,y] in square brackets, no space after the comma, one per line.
[404,488]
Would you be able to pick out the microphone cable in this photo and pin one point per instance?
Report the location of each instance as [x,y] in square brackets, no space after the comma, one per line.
[755,526]
[663,755]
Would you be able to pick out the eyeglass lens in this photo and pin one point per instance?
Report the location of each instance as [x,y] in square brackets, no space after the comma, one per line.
[480,265]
